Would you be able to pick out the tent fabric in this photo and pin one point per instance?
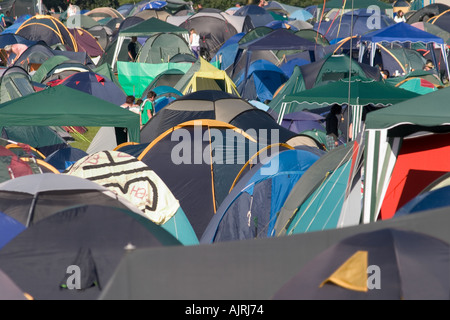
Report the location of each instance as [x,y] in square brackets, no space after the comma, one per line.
[94,238]
[428,200]
[250,210]
[9,289]
[78,109]
[125,175]
[410,263]
[48,185]
[162,47]
[47,29]
[385,131]
[62,159]
[145,29]
[96,85]
[200,171]
[253,269]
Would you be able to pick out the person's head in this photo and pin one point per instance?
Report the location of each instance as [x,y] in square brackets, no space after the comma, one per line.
[336,109]
[385,74]
[192,31]
[139,101]
[400,13]
[129,100]
[8,48]
[151,95]
[428,65]
[133,39]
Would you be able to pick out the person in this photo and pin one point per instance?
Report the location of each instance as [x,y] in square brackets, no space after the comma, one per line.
[2,20]
[14,51]
[129,102]
[194,42]
[399,17]
[332,126]
[429,65]
[132,49]
[71,10]
[384,74]
[147,108]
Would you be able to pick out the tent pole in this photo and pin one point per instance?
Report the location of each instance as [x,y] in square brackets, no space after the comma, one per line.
[31,211]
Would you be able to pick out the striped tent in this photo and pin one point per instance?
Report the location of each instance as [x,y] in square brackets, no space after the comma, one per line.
[385,133]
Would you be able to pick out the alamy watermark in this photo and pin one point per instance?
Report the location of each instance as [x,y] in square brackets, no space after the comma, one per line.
[229,146]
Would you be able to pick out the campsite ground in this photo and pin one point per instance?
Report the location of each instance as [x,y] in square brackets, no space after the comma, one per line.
[82,141]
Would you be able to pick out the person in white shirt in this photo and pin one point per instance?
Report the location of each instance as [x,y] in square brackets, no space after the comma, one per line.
[399,17]
[194,42]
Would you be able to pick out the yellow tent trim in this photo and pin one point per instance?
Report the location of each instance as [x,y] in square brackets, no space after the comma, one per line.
[128,143]
[249,162]
[205,122]
[352,274]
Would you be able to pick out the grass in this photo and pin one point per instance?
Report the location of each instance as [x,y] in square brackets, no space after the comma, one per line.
[82,141]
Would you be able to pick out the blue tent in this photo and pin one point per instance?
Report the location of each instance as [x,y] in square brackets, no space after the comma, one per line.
[277,24]
[433,199]
[250,209]
[301,14]
[263,79]
[258,15]
[228,51]
[278,39]
[9,228]
[362,21]
[63,158]
[403,33]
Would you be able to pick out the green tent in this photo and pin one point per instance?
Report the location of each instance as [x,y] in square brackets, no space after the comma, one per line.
[147,28]
[362,92]
[385,131]
[64,106]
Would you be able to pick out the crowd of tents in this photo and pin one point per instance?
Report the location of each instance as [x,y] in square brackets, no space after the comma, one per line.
[230,191]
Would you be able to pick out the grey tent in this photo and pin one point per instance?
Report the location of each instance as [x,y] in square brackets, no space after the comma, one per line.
[242,270]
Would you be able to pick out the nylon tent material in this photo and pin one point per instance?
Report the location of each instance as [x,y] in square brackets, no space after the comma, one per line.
[413,266]
[31,198]
[386,130]
[320,189]
[403,33]
[249,211]
[94,238]
[78,109]
[160,48]
[125,175]
[203,156]
[249,270]
[145,29]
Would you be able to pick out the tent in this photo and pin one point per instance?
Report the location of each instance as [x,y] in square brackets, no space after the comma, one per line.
[48,29]
[96,85]
[10,291]
[250,209]
[387,264]
[263,79]
[92,237]
[132,179]
[427,200]
[160,48]
[386,134]
[427,12]
[257,15]
[78,109]
[146,28]
[208,77]
[330,68]
[254,269]
[31,198]
[316,201]
[198,161]
[63,158]
[355,93]
[86,42]
[214,29]
[353,23]
[278,39]
[403,33]
[220,106]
